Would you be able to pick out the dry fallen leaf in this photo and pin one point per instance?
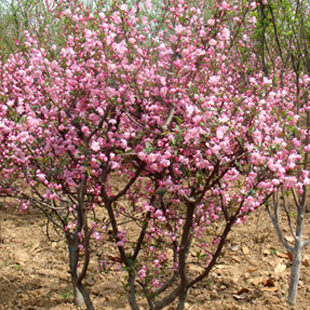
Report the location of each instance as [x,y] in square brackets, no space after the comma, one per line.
[279,268]
[243,290]
[257,281]
[269,289]
[245,250]
[266,252]
[236,259]
[305,262]
[234,247]
[289,239]
[44,292]
[268,282]
[34,247]
[282,255]
[241,294]
[239,297]
[290,256]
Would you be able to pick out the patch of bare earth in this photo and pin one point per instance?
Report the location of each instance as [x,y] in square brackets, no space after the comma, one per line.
[252,273]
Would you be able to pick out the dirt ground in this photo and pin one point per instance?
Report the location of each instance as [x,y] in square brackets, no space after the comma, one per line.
[253,272]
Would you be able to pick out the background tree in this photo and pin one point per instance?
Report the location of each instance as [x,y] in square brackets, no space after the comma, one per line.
[28,15]
[283,32]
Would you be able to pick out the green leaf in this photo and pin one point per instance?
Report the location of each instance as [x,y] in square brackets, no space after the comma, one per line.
[148,148]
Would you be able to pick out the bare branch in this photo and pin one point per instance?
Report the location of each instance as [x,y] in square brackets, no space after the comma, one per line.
[275,221]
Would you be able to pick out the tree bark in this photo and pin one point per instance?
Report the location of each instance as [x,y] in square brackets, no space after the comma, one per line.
[81,296]
[295,273]
[295,270]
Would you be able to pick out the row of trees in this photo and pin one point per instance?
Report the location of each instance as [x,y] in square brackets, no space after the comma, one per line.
[168,117]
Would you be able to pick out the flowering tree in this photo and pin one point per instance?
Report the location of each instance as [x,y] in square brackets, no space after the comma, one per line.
[283,32]
[167,124]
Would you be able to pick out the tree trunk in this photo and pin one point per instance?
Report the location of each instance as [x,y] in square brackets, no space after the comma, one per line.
[295,270]
[292,295]
[81,296]
[132,291]
[182,298]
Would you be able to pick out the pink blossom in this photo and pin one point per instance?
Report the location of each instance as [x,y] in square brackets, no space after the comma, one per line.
[144,20]
[124,7]
[115,165]
[97,235]
[159,214]
[225,5]
[253,5]
[221,131]
[212,42]
[179,29]
[148,4]
[154,167]
[95,146]
[216,241]
[165,163]
[156,282]
[157,264]
[142,272]
[211,22]
[111,92]
[253,20]
[142,156]
[226,34]
[214,79]
[167,154]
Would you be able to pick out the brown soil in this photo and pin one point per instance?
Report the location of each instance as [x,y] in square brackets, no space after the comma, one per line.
[253,272]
